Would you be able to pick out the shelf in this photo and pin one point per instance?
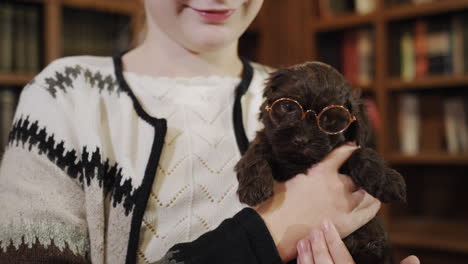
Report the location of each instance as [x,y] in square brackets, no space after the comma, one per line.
[427,159]
[115,6]
[118,6]
[343,22]
[367,87]
[445,235]
[442,81]
[19,79]
[433,8]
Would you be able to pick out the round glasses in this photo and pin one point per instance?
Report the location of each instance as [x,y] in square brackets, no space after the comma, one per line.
[332,120]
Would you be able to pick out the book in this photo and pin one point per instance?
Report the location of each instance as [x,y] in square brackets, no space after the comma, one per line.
[32,38]
[455,119]
[439,50]
[420,50]
[19,38]
[409,127]
[365,6]
[465,40]
[330,8]
[350,56]
[365,51]
[408,71]
[6,39]
[457,45]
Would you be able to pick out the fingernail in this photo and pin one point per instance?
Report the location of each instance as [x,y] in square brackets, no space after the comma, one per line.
[303,246]
[326,225]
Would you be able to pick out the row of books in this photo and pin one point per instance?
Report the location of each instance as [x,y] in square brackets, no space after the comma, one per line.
[454,115]
[330,8]
[352,53]
[94,33]
[428,47]
[8,102]
[19,37]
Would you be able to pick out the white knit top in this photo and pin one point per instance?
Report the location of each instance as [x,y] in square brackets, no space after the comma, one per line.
[195,185]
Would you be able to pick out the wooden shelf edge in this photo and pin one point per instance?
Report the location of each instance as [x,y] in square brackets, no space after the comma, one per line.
[342,22]
[414,10]
[429,159]
[444,235]
[428,82]
[116,6]
[20,79]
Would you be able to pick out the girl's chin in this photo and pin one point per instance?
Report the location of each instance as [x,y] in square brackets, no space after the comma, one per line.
[209,41]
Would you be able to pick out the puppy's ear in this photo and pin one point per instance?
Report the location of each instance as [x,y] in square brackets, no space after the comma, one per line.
[359,130]
[274,81]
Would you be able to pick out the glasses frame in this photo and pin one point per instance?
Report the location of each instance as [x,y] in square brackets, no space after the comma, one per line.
[352,118]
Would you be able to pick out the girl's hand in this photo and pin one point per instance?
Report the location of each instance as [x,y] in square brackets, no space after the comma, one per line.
[324,246]
[300,204]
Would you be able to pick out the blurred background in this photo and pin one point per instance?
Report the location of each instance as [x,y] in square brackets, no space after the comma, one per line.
[408,57]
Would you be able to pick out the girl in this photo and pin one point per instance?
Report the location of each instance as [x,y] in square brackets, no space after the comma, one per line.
[130,159]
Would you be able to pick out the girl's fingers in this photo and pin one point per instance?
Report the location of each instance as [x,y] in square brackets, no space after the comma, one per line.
[304,252]
[320,249]
[338,251]
[410,260]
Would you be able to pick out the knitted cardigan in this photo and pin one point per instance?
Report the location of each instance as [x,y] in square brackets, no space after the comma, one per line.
[72,189]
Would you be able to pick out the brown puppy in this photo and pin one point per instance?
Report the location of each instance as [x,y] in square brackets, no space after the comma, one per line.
[309,110]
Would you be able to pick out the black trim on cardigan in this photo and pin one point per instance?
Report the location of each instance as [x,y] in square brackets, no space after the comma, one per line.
[241,89]
[160,126]
[81,168]
[142,193]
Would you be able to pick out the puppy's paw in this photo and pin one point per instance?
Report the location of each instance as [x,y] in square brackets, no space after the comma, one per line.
[369,171]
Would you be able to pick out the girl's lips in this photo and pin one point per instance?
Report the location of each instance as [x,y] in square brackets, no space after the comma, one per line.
[215,15]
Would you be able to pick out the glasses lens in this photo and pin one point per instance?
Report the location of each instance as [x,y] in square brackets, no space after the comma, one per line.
[285,111]
[334,119]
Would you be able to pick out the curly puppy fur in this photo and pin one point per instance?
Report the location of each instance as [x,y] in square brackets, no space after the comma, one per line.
[278,153]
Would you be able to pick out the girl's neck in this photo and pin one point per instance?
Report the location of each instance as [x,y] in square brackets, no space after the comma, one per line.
[164,57]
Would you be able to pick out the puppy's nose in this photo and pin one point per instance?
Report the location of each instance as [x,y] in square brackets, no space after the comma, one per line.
[299,141]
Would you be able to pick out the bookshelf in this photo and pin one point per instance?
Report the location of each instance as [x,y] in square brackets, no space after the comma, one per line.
[433,225]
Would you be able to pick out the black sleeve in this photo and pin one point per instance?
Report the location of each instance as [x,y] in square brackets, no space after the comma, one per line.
[243,238]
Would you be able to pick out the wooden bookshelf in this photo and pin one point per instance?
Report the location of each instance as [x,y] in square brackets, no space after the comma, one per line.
[439,234]
[428,159]
[16,79]
[442,239]
[445,81]
[427,9]
[342,22]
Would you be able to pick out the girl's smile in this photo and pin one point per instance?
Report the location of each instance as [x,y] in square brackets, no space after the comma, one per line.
[214,15]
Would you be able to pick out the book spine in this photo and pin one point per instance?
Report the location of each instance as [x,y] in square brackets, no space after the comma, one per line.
[365,6]
[450,126]
[420,32]
[365,56]
[350,57]
[32,39]
[6,39]
[19,39]
[409,124]
[407,67]
[457,45]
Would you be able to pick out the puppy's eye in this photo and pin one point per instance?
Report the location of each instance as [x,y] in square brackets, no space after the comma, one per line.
[286,110]
[288,106]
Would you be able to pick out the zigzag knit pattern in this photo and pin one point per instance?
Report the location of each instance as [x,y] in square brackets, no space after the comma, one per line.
[85,168]
[63,80]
